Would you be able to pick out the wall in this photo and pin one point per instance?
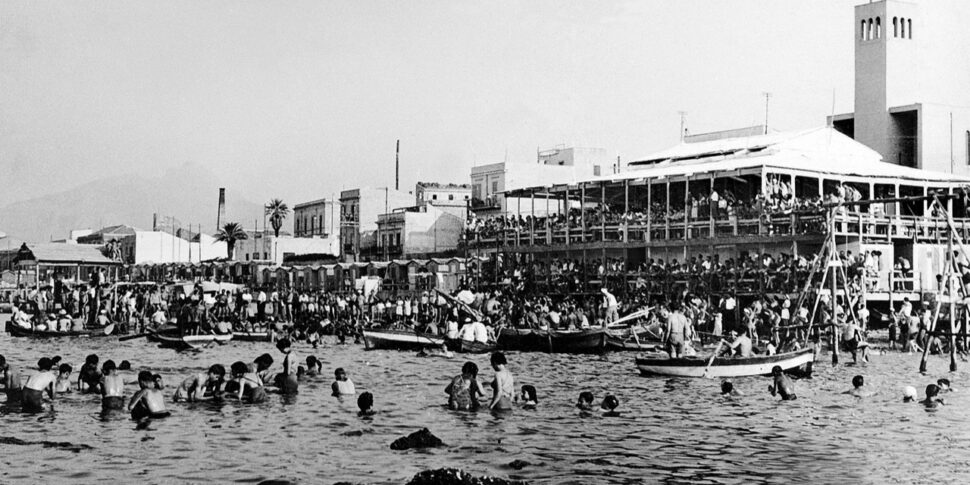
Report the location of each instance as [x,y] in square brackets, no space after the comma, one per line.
[314,218]
[162,247]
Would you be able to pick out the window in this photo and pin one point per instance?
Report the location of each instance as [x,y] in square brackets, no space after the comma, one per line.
[878,27]
[902,28]
[434,197]
[495,186]
[596,170]
[862,31]
[968,147]
[909,24]
[466,196]
[451,196]
[895,26]
[266,256]
[869,31]
[247,256]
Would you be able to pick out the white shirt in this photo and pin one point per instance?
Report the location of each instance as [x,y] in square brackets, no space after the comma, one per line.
[480,332]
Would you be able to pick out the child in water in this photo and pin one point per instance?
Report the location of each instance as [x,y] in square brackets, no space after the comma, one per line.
[148,402]
[932,401]
[528,397]
[585,402]
[112,387]
[783,386]
[609,405]
[89,377]
[342,386]
[313,365]
[63,383]
[366,404]
[36,384]
[944,385]
[727,389]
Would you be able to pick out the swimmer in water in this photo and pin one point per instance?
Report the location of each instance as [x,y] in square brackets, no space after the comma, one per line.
[112,387]
[11,380]
[909,394]
[287,381]
[63,383]
[932,401]
[313,365]
[198,386]
[783,386]
[342,386]
[858,387]
[503,385]
[261,367]
[528,396]
[585,401]
[37,383]
[944,385]
[157,379]
[148,402]
[246,384]
[727,389]
[609,405]
[89,377]
[366,404]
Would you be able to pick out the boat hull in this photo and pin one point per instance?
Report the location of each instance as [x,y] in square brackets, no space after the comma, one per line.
[470,346]
[172,340]
[252,336]
[576,342]
[400,340]
[18,331]
[723,366]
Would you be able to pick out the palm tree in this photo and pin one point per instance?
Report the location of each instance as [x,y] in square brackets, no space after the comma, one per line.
[230,233]
[277,210]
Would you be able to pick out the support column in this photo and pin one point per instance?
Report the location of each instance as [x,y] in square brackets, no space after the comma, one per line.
[532,219]
[603,221]
[582,211]
[565,210]
[667,219]
[649,212]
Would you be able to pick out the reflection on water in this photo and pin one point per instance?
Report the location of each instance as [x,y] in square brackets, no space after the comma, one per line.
[674,430]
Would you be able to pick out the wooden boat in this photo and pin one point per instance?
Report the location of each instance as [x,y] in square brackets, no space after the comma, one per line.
[470,346]
[263,336]
[632,338]
[758,365]
[170,338]
[18,331]
[555,341]
[400,340]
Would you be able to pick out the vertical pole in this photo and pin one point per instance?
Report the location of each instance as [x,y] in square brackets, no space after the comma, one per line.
[951,267]
[603,218]
[649,211]
[397,166]
[565,203]
[667,219]
[532,219]
[582,211]
[626,209]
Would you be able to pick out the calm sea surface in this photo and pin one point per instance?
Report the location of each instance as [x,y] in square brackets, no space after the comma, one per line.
[670,430]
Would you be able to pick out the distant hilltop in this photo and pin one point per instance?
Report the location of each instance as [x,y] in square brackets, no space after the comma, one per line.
[189,194]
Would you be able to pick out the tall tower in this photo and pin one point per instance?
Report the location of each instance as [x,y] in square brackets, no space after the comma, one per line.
[221,216]
[887,34]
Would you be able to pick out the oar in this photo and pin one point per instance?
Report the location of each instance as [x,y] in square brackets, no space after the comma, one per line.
[713,356]
[133,337]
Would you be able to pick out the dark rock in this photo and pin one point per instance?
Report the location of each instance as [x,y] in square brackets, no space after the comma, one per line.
[353,433]
[418,439]
[519,464]
[454,476]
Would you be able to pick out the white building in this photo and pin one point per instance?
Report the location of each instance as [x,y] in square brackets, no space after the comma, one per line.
[451,198]
[316,218]
[263,247]
[555,166]
[161,247]
[912,73]
[421,231]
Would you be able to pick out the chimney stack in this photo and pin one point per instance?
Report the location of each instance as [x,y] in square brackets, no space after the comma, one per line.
[397,166]
[222,208]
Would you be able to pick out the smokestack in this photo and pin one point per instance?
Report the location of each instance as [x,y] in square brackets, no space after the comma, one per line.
[154,221]
[397,166]
[222,207]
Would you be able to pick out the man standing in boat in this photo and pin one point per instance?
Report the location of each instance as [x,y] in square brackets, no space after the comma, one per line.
[610,304]
[676,332]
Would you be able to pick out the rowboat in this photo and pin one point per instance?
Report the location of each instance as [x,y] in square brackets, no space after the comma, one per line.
[470,346]
[556,341]
[18,331]
[400,340]
[759,365]
[171,339]
[252,336]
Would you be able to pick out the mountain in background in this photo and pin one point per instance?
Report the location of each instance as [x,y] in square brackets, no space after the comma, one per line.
[189,194]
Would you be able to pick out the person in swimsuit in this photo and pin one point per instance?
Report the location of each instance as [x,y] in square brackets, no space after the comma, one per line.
[858,387]
[89,377]
[783,386]
[200,385]
[247,385]
[260,367]
[727,389]
[464,390]
[529,397]
[503,385]
[287,381]
[366,404]
[944,385]
[313,366]
[112,387]
[148,402]
[675,334]
[63,383]
[931,401]
[11,380]
[37,383]
[342,386]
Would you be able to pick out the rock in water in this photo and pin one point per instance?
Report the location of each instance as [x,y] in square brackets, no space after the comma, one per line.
[519,464]
[454,476]
[418,439]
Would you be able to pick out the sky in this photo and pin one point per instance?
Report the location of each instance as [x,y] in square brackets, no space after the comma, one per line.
[298,100]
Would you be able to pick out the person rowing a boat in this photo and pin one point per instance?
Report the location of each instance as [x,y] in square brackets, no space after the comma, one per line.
[740,345]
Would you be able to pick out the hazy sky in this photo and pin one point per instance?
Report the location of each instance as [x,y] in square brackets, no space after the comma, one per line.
[300,99]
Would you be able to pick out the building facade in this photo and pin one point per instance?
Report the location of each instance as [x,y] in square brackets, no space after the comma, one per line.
[315,218]
[912,104]
[451,198]
[359,210]
[422,231]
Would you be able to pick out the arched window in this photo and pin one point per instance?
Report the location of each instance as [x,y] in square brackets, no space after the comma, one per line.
[869,31]
[902,28]
[878,28]
[862,31]
[909,23]
[895,26]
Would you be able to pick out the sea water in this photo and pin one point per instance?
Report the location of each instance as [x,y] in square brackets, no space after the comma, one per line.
[669,430]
